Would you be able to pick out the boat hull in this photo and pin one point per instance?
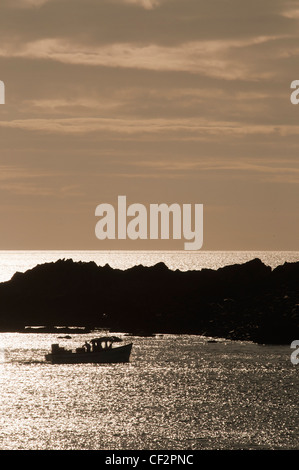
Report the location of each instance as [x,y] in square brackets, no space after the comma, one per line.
[106,356]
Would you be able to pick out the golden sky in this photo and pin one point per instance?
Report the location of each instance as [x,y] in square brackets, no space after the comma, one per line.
[174,101]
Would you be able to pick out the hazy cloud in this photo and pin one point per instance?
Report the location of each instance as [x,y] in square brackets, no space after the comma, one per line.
[189,97]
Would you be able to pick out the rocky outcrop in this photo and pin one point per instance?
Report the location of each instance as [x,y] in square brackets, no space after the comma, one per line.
[244,302]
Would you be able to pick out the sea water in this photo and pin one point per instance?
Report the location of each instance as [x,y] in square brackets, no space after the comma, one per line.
[178,392]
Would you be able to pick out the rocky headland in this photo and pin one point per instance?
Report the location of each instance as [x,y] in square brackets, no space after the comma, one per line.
[247,301]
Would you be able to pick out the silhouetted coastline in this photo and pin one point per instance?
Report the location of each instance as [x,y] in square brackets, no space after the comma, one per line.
[247,301]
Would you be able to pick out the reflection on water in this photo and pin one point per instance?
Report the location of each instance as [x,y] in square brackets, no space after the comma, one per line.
[178,392]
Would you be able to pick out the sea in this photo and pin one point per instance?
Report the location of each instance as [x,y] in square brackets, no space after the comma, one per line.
[177,393]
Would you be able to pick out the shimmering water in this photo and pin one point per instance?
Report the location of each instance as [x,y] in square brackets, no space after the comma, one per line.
[177,393]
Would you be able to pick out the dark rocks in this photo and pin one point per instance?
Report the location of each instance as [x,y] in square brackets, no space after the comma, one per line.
[242,302]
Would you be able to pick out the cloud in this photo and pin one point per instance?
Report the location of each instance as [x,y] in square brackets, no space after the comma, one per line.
[197,129]
[191,95]
[263,165]
[144,22]
[208,58]
[24,3]
[20,180]
[261,170]
[147,4]
[292,13]
[9,172]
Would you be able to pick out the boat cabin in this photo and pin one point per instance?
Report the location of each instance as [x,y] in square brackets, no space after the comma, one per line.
[99,344]
[94,345]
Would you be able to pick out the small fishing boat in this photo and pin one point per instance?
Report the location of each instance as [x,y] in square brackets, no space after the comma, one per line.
[96,351]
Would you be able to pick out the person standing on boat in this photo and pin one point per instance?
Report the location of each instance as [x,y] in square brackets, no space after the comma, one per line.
[87,346]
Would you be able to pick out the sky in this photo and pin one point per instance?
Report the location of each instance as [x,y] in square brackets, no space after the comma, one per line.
[164,101]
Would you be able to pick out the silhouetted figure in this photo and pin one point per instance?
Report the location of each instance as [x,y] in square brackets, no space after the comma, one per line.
[87,347]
